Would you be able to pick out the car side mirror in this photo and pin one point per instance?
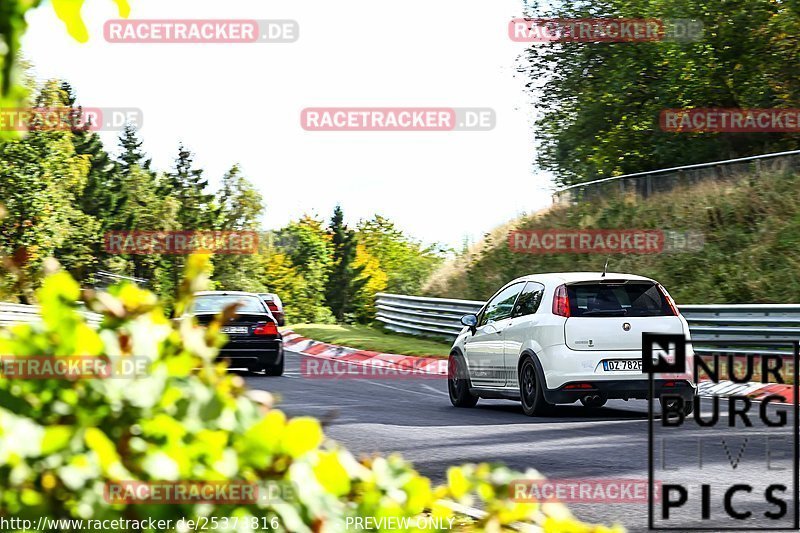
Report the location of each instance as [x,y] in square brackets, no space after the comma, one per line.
[471,321]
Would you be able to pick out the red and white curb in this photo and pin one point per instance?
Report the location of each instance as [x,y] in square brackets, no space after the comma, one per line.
[754,391]
[437,367]
[406,364]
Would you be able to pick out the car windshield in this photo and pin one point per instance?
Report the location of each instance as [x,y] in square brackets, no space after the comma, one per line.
[214,303]
[623,299]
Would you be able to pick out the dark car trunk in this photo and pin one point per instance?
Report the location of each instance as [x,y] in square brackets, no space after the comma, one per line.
[240,319]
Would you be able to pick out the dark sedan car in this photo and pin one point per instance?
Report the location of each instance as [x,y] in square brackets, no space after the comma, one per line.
[253,337]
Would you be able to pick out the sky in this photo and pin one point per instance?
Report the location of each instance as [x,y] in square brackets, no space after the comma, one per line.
[241,103]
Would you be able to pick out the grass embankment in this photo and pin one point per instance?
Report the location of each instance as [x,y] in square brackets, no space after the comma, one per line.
[372,338]
[751,253]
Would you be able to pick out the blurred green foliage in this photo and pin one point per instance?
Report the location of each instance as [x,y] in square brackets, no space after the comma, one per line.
[187,419]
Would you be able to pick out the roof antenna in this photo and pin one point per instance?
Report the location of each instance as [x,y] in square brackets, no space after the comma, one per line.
[605,269]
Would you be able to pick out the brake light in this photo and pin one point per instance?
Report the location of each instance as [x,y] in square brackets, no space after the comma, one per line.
[561,302]
[670,301]
[272,305]
[268,328]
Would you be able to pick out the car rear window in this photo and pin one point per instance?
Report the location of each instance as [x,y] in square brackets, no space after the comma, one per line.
[617,299]
[214,303]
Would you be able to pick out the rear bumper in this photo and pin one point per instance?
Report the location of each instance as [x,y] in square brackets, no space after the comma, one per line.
[622,390]
[264,351]
[562,366]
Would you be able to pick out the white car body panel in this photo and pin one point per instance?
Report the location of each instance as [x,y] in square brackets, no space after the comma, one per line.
[569,349]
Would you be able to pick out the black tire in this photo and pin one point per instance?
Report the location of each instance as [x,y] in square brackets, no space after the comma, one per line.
[688,405]
[531,390]
[458,383]
[277,368]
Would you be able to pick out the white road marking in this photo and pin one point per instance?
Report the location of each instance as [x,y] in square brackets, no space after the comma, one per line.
[400,389]
[437,391]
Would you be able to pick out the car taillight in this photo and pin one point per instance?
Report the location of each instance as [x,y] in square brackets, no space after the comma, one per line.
[272,306]
[561,302]
[670,301]
[268,328]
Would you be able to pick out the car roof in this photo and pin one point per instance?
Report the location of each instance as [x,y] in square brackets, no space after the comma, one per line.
[229,293]
[575,277]
[225,293]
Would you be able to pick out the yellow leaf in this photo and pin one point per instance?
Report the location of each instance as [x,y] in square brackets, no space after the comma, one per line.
[302,435]
[106,451]
[331,474]
[69,11]
[55,438]
[123,7]
[457,482]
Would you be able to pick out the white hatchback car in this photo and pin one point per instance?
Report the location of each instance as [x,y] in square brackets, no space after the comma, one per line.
[557,338]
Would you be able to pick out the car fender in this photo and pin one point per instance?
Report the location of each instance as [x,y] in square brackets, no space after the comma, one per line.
[536,363]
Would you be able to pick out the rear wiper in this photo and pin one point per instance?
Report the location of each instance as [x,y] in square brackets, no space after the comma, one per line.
[609,312]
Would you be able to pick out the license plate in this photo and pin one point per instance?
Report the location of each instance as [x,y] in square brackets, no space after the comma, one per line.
[614,365]
[234,329]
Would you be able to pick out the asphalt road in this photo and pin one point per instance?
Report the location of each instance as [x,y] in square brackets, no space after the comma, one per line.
[415,418]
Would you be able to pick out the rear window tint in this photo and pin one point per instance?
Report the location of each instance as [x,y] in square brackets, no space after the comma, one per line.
[212,303]
[628,299]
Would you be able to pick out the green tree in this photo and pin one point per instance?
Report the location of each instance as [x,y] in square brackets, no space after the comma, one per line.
[600,102]
[371,280]
[42,179]
[187,185]
[307,246]
[238,207]
[406,262]
[344,280]
[132,153]
[103,191]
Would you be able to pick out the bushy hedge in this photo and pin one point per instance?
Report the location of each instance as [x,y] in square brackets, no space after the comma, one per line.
[61,441]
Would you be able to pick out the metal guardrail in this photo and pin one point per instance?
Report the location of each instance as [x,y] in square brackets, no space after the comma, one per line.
[665,179]
[11,314]
[440,317]
[416,315]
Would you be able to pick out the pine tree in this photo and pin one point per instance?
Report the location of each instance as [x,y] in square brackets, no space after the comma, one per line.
[132,153]
[345,279]
[187,186]
[103,192]
[238,207]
